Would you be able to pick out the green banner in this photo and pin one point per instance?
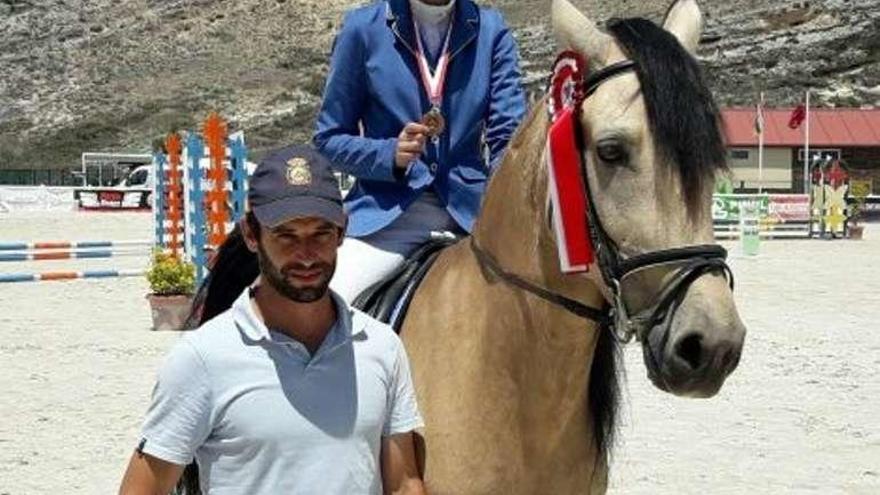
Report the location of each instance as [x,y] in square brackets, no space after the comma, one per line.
[730,207]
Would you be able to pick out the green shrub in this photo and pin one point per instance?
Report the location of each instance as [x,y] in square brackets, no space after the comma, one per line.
[857,208]
[170,276]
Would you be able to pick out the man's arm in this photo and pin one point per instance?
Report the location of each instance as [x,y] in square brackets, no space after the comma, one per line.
[177,423]
[400,465]
[147,475]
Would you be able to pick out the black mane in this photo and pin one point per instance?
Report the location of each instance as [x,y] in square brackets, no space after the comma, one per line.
[685,122]
[681,111]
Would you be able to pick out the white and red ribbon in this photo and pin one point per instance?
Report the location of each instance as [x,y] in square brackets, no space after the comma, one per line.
[567,191]
[567,196]
[434,82]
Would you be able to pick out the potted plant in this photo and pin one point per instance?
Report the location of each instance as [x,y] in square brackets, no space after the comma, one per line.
[854,220]
[172,284]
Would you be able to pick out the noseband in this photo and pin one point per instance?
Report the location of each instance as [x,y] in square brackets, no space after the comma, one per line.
[694,261]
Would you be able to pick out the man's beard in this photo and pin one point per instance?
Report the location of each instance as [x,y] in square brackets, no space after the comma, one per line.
[276,278]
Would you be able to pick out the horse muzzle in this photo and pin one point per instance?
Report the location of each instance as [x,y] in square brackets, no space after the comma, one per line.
[693,350]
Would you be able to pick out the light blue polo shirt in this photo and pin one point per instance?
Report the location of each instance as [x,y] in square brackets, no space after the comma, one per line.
[262,416]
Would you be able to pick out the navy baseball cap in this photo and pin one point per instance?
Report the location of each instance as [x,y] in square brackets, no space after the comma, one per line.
[295,182]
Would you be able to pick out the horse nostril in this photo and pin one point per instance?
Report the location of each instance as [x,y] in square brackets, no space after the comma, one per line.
[731,359]
[690,349]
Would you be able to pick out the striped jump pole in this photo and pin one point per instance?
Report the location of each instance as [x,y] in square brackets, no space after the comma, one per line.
[47,276]
[32,246]
[200,191]
[8,256]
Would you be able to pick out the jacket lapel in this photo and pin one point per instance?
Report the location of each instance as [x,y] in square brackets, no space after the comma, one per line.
[400,20]
[465,25]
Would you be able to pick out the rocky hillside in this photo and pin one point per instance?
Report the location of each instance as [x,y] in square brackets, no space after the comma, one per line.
[116,74]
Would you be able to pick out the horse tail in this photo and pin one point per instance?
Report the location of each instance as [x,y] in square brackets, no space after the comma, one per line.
[604,391]
[189,481]
[233,268]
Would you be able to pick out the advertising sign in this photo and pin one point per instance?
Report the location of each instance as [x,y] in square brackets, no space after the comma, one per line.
[770,208]
[787,208]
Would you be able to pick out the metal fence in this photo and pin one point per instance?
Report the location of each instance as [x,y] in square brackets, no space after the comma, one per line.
[32,177]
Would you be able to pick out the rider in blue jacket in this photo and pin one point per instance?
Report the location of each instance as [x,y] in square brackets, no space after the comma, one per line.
[421,101]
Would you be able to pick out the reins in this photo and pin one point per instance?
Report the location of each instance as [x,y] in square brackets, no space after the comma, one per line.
[488,262]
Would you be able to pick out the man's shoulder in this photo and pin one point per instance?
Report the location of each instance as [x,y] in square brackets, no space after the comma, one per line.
[193,355]
[218,332]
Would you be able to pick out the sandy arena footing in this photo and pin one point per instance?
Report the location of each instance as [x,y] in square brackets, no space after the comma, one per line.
[799,415]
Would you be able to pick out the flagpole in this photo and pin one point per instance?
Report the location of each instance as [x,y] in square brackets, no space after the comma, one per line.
[761,145]
[807,147]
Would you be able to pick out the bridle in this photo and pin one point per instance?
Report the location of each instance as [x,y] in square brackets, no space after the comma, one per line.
[692,261]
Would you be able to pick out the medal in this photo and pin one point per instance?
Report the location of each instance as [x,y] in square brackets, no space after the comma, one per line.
[434,121]
[433,83]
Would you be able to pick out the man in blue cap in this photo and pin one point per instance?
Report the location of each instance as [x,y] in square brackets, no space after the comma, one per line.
[290,390]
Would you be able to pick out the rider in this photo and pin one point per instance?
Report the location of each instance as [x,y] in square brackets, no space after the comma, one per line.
[421,101]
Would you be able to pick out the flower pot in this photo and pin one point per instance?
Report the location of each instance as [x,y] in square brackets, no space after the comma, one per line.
[856,231]
[169,312]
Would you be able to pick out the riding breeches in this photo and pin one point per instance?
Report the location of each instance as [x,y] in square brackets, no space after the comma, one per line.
[363,261]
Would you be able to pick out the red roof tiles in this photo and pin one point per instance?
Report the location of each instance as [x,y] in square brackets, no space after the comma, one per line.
[832,127]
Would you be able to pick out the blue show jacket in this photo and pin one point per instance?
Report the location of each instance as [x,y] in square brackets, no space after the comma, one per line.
[374,89]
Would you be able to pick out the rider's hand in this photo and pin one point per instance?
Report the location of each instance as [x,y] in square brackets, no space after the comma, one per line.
[410,144]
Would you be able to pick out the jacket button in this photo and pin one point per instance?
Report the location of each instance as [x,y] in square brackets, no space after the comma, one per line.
[433,168]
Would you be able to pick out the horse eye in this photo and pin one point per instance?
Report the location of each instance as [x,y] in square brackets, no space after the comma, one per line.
[611,152]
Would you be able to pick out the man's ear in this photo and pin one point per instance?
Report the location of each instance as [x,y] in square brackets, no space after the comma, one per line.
[341,236]
[250,237]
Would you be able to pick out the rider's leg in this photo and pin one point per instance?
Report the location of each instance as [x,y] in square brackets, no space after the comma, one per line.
[366,260]
[359,265]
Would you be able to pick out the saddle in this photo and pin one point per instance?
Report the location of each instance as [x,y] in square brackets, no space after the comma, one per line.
[388,300]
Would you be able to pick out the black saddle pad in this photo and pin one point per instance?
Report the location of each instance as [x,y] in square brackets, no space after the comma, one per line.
[388,300]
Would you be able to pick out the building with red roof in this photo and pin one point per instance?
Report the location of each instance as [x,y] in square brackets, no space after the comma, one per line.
[850,134]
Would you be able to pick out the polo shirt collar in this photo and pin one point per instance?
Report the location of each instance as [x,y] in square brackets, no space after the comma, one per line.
[252,326]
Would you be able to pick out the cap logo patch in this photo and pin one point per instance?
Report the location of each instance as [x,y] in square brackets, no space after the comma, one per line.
[298,173]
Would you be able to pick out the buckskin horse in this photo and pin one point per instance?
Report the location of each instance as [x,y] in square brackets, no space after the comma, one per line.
[515,362]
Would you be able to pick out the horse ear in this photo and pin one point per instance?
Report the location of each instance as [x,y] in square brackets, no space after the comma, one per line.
[685,21]
[576,31]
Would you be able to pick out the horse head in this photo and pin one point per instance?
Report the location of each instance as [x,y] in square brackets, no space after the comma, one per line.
[651,145]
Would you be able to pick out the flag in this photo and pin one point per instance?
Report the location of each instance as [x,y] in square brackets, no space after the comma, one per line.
[759,117]
[797,117]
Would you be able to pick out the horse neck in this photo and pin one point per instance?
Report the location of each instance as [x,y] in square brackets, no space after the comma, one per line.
[552,349]
[513,224]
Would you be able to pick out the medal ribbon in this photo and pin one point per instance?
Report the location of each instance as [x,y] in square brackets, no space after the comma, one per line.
[436,81]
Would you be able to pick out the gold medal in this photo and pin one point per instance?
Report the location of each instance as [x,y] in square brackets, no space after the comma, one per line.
[435,122]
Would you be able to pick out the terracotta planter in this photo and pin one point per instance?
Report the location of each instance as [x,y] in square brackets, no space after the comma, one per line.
[856,232]
[169,312]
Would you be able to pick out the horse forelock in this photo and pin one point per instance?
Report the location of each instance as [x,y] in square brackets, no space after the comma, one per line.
[681,112]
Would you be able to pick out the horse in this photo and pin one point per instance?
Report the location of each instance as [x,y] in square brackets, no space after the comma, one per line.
[516,363]
[518,391]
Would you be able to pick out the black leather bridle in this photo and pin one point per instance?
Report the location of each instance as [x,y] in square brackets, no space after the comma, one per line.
[692,261]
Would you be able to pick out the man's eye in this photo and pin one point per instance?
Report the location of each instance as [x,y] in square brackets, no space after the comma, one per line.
[611,152]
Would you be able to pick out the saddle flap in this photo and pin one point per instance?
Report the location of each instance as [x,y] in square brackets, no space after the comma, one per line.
[388,300]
